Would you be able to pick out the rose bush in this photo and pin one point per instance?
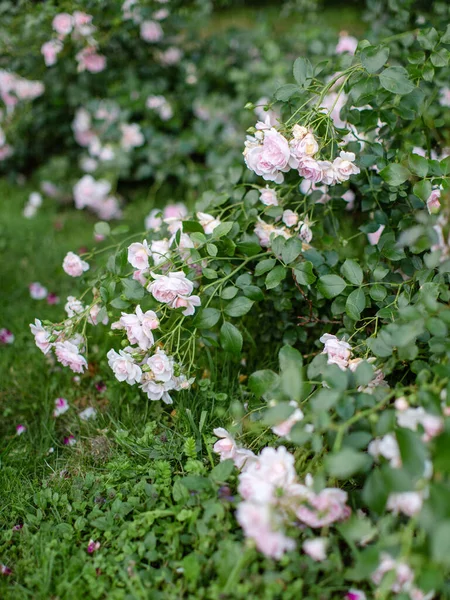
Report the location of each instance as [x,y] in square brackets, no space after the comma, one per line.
[334,240]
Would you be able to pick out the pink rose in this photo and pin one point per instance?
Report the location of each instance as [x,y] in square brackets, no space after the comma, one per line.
[63,23]
[175,211]
[270,158]
[187,303]
[138,255]
[290,218]
[347,43]
[344,166]
[41,336]
[433,203]
[374,237]
[268,196]
[123,366]
[284,429]
[132,136]
[69,355]
[161,366]
[6,336]
[151,31]
[208,222]
[73,265]
[337,351]
[304,146]
[50,50]
[89,60]
[167,288]
[310,169]
[315,548]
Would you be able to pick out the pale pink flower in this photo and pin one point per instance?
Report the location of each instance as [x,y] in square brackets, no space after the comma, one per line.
[353,594]
[153,221]
[83,23]
[92,546]
[284,429]
[61,407]
[290,218]
[6,336]
[171,56]
[344,166]
[37,291]
[349,197]
[93,314]
[310,169]
[69,440]
[316,548]
[151,31]
[138,255]
[73,265]
[268,196]
[139,327]
[374,237]
[156,390]
[50,51]
[123,366]
[88,413]
[346,43]
[444,97]
[322,509]
[227,448]
[208,222]
[411,418]
[141,275]
[132,136]
[161,14]
[20,429]
[68,355]
[73,306]
[338,352]
[387,447]
[89,60]
[160,251]
[404,576]
[408,503]
[161,366]
[89,192]
[303,146]
[433,203]
[175,211]
[268,155]
[62,23]
[167,288]
[188,303]
[41,336]
[304,232]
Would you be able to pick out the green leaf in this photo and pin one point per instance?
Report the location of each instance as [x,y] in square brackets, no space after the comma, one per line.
[289,356]
[331,285]
[277,414]
[222,471]
[396,80]
[355,304]
[229,292]
[261,382]
[209,273]
[119,303]
[220,230]
[374,57]
[440,58]
[303,71]
[347,462]
[422,189]
[440,543]
[239,306]
[285,92]
[292,382]
[230,338]
[364,373]
[291,250]
[211,249]
[191,226]
[418,165]
[264,265]
[132,289]
[412,451]
[303,273]
[352,272]
[275,277]
[395,174]
[206,318]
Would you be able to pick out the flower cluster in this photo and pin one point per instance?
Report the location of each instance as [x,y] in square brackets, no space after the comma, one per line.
[79,25]
[150,29]
[273,498]
[94,194]
[270,154]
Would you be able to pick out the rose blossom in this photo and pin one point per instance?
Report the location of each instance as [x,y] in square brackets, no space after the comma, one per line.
[89,192]
[160,251]
[37,291]
[73,265]
[93,315]
[304,232]
[41,336]
[20,429]
[50,50]
[167,288]
[433,203]
[283,429]
[139,327]
[316,548]
[63,23]
[153,221]
[89,60]
[69,355]
[132,136]
[290,218]
[227,448]
[161,366]
[347,43]
[73,306]
[408,503]
[344,166]
[353,594]
[404,576]
[138,255]
[310,169]
[61,407]
[270,157]
[88,413]
[387,447]
[304,146]
[6,336]
[268,196]
[151,31]
[374,237]
[208,222]
[444,96]
[338,352]
[156,390]
[82,23]
[187,303]
[322,509]
[123,366]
